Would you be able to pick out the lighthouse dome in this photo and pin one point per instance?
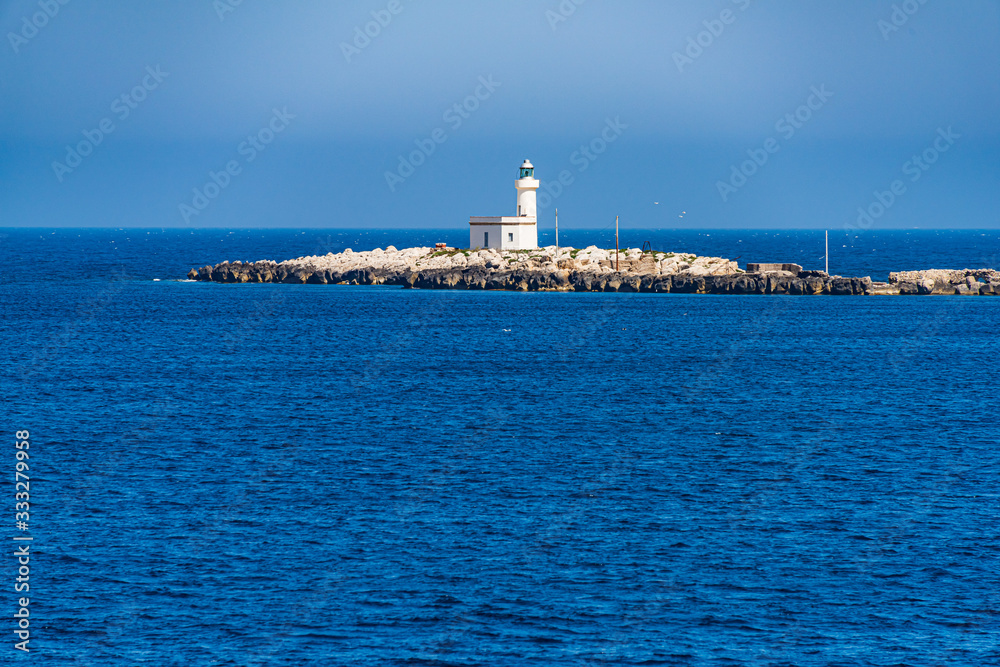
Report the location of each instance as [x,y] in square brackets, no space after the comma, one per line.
[527,169]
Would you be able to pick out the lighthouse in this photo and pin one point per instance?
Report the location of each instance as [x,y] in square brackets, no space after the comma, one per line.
[518,232]
[527,186]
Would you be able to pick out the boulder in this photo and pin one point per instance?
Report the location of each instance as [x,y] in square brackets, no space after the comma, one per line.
[815,285]
[841,287]
[748,284]
[631,284]
[661,284]
[798,287]
[778,284]
[220,272]
[719,284]
[317,278]
[685,283]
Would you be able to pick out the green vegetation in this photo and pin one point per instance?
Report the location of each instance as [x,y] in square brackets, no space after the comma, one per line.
[449,253]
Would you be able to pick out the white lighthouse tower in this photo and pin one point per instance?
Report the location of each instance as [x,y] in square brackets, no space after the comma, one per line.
[518,232]
[527,186]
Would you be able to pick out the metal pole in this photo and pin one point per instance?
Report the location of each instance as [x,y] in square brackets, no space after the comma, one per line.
[557,231]
[828,252]
[616,243]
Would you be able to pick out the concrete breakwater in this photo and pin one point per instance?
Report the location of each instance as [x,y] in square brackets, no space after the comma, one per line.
[588,270]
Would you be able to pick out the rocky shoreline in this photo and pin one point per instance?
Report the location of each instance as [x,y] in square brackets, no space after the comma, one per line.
[587,270]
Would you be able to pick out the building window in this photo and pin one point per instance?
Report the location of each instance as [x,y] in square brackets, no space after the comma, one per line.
[486,239]
[510,237]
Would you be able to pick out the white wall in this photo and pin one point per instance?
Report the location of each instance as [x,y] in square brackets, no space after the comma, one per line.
[525,237]
[477,236]
[526,197]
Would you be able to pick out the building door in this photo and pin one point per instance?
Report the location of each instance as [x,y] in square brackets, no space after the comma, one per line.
[486,239]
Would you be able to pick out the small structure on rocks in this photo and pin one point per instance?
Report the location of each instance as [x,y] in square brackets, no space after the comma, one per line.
[793,269]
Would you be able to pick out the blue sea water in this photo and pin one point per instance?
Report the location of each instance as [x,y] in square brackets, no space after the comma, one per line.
[327,475]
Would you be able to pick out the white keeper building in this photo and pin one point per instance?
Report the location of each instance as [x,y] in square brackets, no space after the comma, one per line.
[518,232]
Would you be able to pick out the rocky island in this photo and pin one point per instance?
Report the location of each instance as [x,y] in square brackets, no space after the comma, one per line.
[588,270]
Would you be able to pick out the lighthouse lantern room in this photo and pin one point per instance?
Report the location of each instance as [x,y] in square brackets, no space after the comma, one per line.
[518,232]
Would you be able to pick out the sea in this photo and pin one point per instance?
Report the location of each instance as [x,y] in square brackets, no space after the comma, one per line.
[334,475]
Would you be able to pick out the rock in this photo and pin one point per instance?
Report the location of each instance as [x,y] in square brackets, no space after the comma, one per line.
[884,288]
[947,281]
[841,287]
[798,287]
[748,284]
[862,285]
[719,284]
[581,282]
[816,285]
[662,285]
[778,283]
[685,283]
[631,284]
[591,269]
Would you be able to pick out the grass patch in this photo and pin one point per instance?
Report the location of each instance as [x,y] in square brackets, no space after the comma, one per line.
[449,253]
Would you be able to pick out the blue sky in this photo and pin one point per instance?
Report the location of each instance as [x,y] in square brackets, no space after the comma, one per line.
[708,114]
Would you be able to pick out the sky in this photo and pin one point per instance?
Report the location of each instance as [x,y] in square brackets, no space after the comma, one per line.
[858,114]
